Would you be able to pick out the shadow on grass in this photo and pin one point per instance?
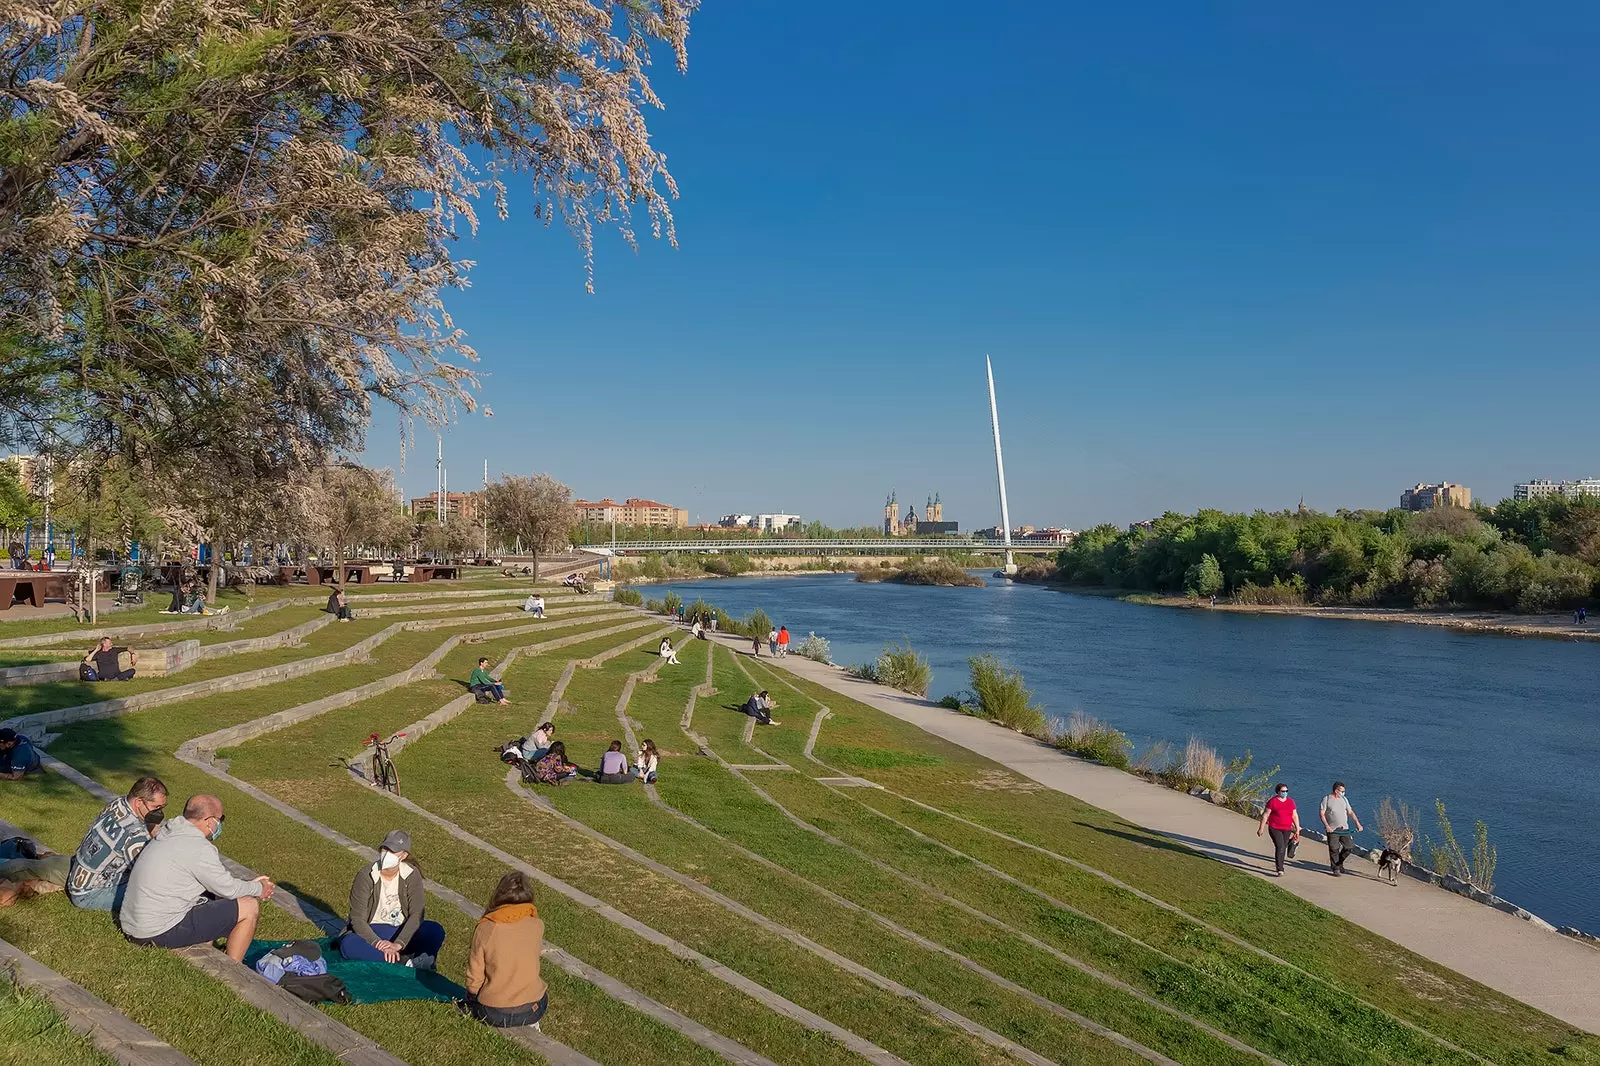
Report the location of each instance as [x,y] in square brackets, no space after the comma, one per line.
[1255,862]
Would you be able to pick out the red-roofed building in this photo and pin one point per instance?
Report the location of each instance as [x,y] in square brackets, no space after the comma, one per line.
[632,512]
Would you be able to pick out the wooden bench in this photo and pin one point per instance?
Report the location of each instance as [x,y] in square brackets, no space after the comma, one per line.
[419,574]
[33,588]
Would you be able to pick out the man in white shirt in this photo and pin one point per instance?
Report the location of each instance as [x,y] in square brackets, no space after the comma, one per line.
[1336,817]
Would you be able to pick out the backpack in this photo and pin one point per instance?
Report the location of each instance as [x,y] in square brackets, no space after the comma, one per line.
[87,673]
[324,988]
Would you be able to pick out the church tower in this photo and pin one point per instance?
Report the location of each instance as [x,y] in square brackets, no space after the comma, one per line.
[891,516]
[934,511]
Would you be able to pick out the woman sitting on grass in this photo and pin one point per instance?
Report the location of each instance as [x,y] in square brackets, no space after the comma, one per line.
[645,766]
[553,768]
[538,745]
[503,984]
[613,766]
[386,902]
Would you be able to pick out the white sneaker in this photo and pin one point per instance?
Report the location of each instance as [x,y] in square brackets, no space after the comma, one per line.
[421,962]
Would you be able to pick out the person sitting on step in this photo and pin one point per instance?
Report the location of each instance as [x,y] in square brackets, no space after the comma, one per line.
[386,921]
[107,663]
[338,606]
[759,707]
[553,768]
[104,859]
[503,984]
[18,756]
[613,766]
[483,685]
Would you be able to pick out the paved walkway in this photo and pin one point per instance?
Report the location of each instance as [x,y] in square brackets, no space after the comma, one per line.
[1542,968]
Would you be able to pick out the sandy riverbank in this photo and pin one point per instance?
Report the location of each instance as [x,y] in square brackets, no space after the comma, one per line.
[1549,626]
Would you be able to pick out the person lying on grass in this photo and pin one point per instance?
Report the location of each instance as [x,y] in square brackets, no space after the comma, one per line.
[180,894]
[100,867]
[386,911]
[503,984]
[613,766]
[483,684]
[553,768]
[18,756]
[29,869]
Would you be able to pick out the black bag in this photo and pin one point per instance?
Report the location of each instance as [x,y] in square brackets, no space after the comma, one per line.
[87,673]
[306,949]
[1294,846]
[323,988]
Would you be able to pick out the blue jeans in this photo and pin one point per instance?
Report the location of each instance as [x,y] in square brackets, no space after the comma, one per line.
[104,898]
[429,938]
[508,1017]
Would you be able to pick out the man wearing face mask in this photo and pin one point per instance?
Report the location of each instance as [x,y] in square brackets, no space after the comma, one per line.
[100,866]
[386,902]
[1336,816]
[181,894]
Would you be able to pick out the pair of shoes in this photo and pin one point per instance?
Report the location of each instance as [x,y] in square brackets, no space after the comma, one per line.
[421,962]
[1337,872]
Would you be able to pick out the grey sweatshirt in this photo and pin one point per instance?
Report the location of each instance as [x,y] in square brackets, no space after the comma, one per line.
[172,875]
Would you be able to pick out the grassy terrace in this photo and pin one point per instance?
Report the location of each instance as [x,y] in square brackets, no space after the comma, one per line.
[1020,910]
[32,1034]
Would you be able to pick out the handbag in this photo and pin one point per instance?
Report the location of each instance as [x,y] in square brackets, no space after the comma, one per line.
[1294,845]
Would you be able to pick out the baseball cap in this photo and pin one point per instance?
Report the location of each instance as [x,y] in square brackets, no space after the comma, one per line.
[397,840]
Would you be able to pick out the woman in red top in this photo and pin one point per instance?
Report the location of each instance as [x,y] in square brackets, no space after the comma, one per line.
[1282,820]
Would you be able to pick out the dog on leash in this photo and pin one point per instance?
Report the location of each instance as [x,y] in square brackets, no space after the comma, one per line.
[1389,863]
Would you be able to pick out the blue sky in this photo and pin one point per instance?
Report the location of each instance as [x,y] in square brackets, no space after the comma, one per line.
[1222,254]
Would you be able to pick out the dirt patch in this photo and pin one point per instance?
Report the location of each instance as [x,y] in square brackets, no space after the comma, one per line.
[1000,781]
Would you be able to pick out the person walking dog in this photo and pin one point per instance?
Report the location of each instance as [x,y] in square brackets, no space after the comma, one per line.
[1336,816]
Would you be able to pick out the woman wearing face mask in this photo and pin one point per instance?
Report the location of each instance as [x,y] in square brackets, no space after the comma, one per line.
[386,903]
[1282,820]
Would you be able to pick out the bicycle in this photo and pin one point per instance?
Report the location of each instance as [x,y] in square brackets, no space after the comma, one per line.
[384,775]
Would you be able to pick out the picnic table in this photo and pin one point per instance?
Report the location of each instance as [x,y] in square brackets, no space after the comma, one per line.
[31,587]
[286,575]
[447,573]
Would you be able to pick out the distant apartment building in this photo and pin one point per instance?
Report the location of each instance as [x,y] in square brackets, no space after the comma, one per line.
[462,506]
[24,466]
[736,521]
[632,512]
[777,523]
[1543,489]
[1422,497]
[1031,535]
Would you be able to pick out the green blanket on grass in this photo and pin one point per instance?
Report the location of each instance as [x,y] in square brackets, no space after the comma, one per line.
[372,982]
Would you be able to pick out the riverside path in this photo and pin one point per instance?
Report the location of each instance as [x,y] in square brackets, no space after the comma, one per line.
[1536,965]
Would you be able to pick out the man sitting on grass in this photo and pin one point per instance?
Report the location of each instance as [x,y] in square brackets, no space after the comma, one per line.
[17,755]
[483,685]
[180,894]
[104,859]
[107,663]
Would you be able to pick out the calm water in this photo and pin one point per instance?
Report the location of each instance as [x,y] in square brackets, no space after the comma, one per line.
[1501,729]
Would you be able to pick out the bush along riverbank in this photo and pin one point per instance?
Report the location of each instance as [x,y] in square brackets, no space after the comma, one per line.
[755,625]
[940,572]
[999,694]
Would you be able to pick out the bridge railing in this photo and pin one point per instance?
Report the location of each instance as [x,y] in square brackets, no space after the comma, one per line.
[806,546]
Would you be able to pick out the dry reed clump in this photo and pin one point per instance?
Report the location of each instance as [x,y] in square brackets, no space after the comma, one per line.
[1002,696]
[1397,825]
[1091,738]
[1202,766]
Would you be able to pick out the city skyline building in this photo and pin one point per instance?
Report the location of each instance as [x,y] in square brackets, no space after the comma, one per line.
[1541,488]
[633,511]
[1425,497]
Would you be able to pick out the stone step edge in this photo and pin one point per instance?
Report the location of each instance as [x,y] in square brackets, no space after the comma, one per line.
[85,1013]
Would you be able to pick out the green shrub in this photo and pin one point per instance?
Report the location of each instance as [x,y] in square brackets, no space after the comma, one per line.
[1003,697]
[626,595]
[814,648]
[898,666]
[654,606]
[1093,739]
[951,702]
[672,601]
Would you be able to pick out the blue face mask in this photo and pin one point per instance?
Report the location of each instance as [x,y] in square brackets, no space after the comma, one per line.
[1283,795]
[217,832]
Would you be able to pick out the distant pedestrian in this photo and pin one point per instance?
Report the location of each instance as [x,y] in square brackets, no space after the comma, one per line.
[772,642]
[1583,616]
[713,623]
[680,614]
[1336,817]
[1282,819]
[783,641]
[755,646]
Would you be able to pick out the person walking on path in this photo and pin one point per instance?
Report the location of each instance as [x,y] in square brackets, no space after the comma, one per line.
[1336,816]
[772,642]
[1282,819]
[783,641]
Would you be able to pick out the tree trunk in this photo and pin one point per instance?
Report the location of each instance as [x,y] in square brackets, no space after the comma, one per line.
[216,568]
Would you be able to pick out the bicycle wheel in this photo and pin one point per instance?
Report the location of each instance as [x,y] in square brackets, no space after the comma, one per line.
[391,776]
[378,777]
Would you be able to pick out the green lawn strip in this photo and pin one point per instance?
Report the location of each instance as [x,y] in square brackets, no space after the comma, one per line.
[264,625]
[333,798]
[40,655]
[33,1034]
[304,862]
[797,904]
[1245,989]
[469,793]
[1392,979]
[721,720]
[701,789]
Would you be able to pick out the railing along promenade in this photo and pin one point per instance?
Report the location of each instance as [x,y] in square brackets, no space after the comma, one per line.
[832,546]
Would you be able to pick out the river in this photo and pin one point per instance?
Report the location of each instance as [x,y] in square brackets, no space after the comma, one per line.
[1502,729]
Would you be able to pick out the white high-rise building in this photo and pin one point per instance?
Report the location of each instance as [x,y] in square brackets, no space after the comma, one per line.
[1544,488]
[777,523]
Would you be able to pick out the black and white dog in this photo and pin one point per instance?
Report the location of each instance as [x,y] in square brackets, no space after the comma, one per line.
[1389,864]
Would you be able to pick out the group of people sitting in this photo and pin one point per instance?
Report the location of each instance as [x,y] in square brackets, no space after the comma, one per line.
[575,581]
[166,883]
[759,706]
[550,766]
[338,606]
[189,598]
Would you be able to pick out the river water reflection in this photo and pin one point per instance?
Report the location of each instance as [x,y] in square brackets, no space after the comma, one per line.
[1501,729]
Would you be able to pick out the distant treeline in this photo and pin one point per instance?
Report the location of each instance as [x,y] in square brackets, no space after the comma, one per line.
[1531,556]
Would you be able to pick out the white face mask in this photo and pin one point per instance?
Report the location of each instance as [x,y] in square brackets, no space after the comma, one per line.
[389,861]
